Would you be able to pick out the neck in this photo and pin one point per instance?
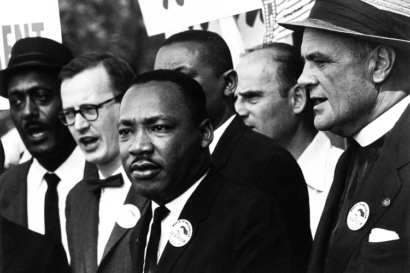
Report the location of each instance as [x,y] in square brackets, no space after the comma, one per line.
[109,168]
[227,114]
[52,161]
[302,138]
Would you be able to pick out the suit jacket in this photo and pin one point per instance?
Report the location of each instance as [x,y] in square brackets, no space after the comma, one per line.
[247,156]
[2,157]
[35,254]
[82,211]
[236,228]
[351,251]
[13,207]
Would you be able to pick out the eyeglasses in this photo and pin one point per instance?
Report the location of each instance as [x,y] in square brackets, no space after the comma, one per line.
[87,111]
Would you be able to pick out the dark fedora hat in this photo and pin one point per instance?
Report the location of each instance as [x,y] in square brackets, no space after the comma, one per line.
[35,52]
[385,22]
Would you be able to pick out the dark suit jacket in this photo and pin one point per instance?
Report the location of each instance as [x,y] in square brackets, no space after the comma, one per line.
[350,251]
[244,155]
[235,229]
[2,157]
[35,254]
[82,210]
[13,207]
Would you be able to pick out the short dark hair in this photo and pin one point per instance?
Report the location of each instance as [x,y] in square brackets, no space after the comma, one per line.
[291,65]
[118,70]
[216,51]
[191,90]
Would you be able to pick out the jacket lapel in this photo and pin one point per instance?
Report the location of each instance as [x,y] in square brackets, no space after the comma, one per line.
[227,142]
[90,230]
[118,232]
[195,211]
[382,182]
[139,239]
[16,212]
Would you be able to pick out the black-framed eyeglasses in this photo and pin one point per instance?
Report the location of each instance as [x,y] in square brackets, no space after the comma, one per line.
[87,111]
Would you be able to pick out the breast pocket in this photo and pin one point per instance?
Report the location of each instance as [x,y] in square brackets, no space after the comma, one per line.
[391,256]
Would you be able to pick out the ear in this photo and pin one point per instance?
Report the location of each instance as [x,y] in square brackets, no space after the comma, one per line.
[230,78]
[383,59]
[298,99]
[207,133]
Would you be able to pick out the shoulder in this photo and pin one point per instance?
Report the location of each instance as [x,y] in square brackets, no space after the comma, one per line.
[12,180]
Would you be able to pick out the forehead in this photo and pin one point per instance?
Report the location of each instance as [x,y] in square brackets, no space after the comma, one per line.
[89,86]
[257,68]
[143,101]
[23,81]
[183,53]
[324,42]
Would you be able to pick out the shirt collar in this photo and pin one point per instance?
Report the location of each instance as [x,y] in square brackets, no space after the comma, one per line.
[313,159]
[175,206]
[381,125]
[218,133]
[65,172]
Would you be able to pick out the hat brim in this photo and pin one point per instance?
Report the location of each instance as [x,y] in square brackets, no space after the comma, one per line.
[319,24]
[5,74]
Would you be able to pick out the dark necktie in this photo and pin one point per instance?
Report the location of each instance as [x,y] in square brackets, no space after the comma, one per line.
[114,181]
[152,249]
[51,215]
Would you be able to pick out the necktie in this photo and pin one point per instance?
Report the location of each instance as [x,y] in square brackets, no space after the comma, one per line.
[51,215]
[114,181]
[152,249]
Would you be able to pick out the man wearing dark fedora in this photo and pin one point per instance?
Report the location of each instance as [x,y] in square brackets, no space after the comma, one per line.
[357,56]
[32,194]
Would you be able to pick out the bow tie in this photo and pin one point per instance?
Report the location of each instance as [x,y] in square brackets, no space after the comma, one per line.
[114,181]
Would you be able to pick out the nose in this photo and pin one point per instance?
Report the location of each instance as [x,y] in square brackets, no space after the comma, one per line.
[80,123]
[307,79]
[30,108]
[240,108]
[141,144]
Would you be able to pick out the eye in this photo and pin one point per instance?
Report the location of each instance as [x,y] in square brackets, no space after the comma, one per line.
[124,132]
[15,102]
[160,128]
[42,96]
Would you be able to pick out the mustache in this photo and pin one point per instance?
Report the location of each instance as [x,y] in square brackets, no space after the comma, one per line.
[34,124]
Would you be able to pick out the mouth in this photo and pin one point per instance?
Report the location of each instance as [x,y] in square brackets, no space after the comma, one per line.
[36,132]
[88,142]
[144,169]
[318,100]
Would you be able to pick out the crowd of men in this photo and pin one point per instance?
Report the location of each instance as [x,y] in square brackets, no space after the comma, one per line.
[199,167]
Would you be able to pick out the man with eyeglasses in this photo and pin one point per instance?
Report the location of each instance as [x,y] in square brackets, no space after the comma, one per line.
[100,212]
[33,194]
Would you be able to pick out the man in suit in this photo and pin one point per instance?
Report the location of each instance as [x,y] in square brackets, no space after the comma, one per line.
[32,194]
[237,151]
[270,101]
[357,56]
[100,213]
[202,221]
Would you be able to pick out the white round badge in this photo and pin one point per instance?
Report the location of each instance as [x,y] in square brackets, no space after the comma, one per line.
[181,233]
[358,216]
[128,216]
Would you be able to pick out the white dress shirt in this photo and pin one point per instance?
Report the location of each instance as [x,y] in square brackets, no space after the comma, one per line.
[70,173]
[381,125]
[111,202]
[175,208]
[218,134]
[318,162]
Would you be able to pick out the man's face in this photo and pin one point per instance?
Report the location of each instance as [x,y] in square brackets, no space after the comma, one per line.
[258,100]
[160,144]
[187,57]
[339,83]
[97,139]
[34,104]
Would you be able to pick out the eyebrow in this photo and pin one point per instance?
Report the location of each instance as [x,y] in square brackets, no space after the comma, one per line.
[190,71]
[247,93]
[149,120]
[314,55]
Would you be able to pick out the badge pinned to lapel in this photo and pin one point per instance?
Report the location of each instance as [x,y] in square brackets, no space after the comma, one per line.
[128,216]
[358,216]
[181,233]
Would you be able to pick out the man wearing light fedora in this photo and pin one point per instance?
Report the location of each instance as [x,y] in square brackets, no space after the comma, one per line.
[357,56]
[32,194]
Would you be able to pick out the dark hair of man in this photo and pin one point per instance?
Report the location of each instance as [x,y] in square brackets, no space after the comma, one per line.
[291,65]
[191,90]
[118,70]
[216,51]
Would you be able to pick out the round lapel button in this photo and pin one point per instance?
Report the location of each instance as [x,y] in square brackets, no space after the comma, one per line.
[386,202]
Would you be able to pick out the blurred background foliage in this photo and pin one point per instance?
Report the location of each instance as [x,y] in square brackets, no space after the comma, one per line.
[109,26]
